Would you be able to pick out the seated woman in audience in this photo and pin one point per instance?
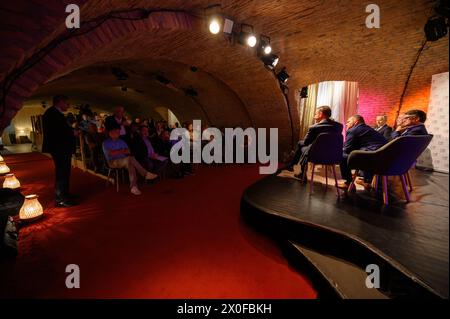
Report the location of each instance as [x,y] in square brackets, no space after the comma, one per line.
[117,155]
[411,123]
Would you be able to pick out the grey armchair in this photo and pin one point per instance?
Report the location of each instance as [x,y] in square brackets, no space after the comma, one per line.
[326,150]
[393,159]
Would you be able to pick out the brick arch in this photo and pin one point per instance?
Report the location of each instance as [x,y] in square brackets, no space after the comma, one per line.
[64,55]
[73,48]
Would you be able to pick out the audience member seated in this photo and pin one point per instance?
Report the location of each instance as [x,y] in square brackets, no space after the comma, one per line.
[94,141]
[323,124]
[117,155]
[411,123]
[117,119]
[382,127]
[145,154]
[359,137]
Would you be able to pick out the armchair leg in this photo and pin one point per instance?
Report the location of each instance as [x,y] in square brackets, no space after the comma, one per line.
[385,190]
[408,179]
[311,185]
[326,175]
[335,181]
[375,182]
[351,187]
[405,188]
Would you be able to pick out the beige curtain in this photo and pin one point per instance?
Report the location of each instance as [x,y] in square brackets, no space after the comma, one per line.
[341,96]
[309,108]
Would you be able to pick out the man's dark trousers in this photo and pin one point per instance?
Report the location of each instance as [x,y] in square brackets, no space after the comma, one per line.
[63,165]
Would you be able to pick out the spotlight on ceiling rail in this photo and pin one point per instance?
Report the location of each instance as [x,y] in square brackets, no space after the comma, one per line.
[214,18]
[283,76]
[191,92]
[270,60]
[247,36]
[264,47]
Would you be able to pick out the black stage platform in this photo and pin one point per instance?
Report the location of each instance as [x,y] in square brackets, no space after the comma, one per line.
[409,241]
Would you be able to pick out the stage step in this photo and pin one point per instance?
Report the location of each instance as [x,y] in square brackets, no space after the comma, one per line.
[345,278]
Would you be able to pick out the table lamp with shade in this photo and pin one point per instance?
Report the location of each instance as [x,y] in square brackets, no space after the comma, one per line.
[31,209]
[4,169]
[11,182]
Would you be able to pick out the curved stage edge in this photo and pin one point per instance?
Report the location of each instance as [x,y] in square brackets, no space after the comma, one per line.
[409,242]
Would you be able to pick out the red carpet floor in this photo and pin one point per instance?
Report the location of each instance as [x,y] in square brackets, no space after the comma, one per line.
[179,239]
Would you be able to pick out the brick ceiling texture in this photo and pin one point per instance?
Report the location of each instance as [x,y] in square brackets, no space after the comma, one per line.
[316,41]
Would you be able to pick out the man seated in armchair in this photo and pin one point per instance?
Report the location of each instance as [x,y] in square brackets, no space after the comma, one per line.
[411,123]
[359,137]
[323,124]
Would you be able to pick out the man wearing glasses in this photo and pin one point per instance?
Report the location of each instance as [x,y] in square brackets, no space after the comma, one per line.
[411,123]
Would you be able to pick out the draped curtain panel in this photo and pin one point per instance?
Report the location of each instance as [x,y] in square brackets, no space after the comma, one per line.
[309,108]
[436,156]
[340,96]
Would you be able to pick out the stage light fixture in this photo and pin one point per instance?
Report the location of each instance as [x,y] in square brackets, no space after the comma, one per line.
[304,92]
[264,45]
[214,26]
[31,209]
[11,182]
[247,37]
[283,76]
[435,28]
[4,169]
[270,60]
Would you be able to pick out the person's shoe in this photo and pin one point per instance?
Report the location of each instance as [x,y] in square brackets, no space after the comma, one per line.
[299,175]
[65,203]
[150,176]
[367,186]
[73,196]
[343,185]
[135,191]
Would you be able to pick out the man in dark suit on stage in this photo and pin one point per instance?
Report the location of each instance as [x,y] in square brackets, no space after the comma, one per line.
[59,141]
[382,127]
[324,124]
[359,137]
[412,123]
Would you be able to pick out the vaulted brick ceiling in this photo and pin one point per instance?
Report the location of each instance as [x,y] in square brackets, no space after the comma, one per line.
[316,41]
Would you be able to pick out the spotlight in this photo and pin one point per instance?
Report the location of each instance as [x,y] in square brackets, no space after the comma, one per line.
[214,26]
[304,92]
[264,45]
[270,60]
[435,28]
[283,76]
[251,41]
[247,38]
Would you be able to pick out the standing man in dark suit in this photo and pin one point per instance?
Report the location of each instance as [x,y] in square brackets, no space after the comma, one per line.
[324,124]
[59,141]
[359,137]
[411,123]
[382,127]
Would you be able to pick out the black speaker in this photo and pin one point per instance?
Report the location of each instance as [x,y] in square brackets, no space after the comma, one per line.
[435,28]
[304,92]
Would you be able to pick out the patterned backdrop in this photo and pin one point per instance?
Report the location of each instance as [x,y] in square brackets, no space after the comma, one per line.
[436,156]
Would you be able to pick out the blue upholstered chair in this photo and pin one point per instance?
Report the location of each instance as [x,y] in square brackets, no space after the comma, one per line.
[326,150]
[393,159]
